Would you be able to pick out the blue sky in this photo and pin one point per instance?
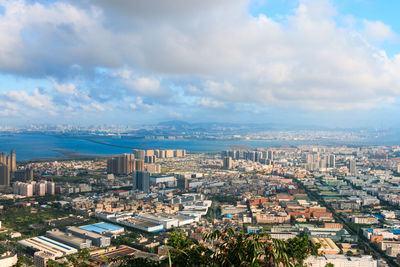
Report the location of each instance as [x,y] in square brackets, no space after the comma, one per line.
[307,62]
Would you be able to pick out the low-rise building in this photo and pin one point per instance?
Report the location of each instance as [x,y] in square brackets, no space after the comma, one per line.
[8,259]
[328,247]
[341,261]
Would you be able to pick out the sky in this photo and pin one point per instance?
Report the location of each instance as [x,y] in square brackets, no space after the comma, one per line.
[291,62]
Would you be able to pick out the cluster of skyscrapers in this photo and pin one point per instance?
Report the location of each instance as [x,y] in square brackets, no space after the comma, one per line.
[8,165]
[265,157]
[316,160]
[147,154]
[259,156]
[126,164]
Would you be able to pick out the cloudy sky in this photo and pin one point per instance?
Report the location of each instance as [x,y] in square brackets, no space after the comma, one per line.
[320,62]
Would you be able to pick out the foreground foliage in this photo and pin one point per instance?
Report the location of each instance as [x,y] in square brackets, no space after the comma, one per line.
[231,249]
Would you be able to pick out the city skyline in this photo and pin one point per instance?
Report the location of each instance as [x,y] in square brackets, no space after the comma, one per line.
[326,63]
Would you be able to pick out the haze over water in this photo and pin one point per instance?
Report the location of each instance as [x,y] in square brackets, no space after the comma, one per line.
[35,146]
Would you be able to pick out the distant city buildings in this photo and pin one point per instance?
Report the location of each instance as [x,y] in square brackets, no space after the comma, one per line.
[158,153]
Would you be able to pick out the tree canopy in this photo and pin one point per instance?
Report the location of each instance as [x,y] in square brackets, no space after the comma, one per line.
[231,248]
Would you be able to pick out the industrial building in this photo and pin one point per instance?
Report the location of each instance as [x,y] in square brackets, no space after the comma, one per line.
[142,224]
[104,228]
[149,222]
[69,239]
[168,180]
[97,239]
[48,245]
[168,220]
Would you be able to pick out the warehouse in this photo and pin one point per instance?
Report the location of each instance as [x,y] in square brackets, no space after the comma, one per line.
[157,219]
[69,239]
[97,239]
[103,228]
[141,224]
[48,245]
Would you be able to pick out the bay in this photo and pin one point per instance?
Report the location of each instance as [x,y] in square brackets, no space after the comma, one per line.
[42,146]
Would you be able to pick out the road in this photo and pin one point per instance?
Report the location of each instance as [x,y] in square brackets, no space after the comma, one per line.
[348,226]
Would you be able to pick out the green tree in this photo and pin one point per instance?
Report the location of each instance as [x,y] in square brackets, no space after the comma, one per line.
[231,249]
[53,263]
[177,239]
[79,259]
[349,253]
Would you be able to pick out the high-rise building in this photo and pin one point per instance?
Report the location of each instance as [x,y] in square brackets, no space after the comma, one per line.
[323,164]
[182,182]
[179,153]
[271,155]
[152,168]
[227,163]
[169,153]
[12,161]
[150,159]
[231,153]
[50,188]
[139,165]
[29,189]
[352,167]
[150,153]
[23,175]
[23,189]
[258,156]
[310,162]
[3,158]
[161,154]
[122,164]
[4,175]
[141,181]
[40,189]
[332,161]
[252,155]
[139,154]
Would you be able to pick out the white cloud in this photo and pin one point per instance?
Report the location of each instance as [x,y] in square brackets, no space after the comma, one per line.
[62,100]
[68,89]
[377,30]
[140,105]
[175,114]
[210,103]
[22,103]
[140,85]
[304,60]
